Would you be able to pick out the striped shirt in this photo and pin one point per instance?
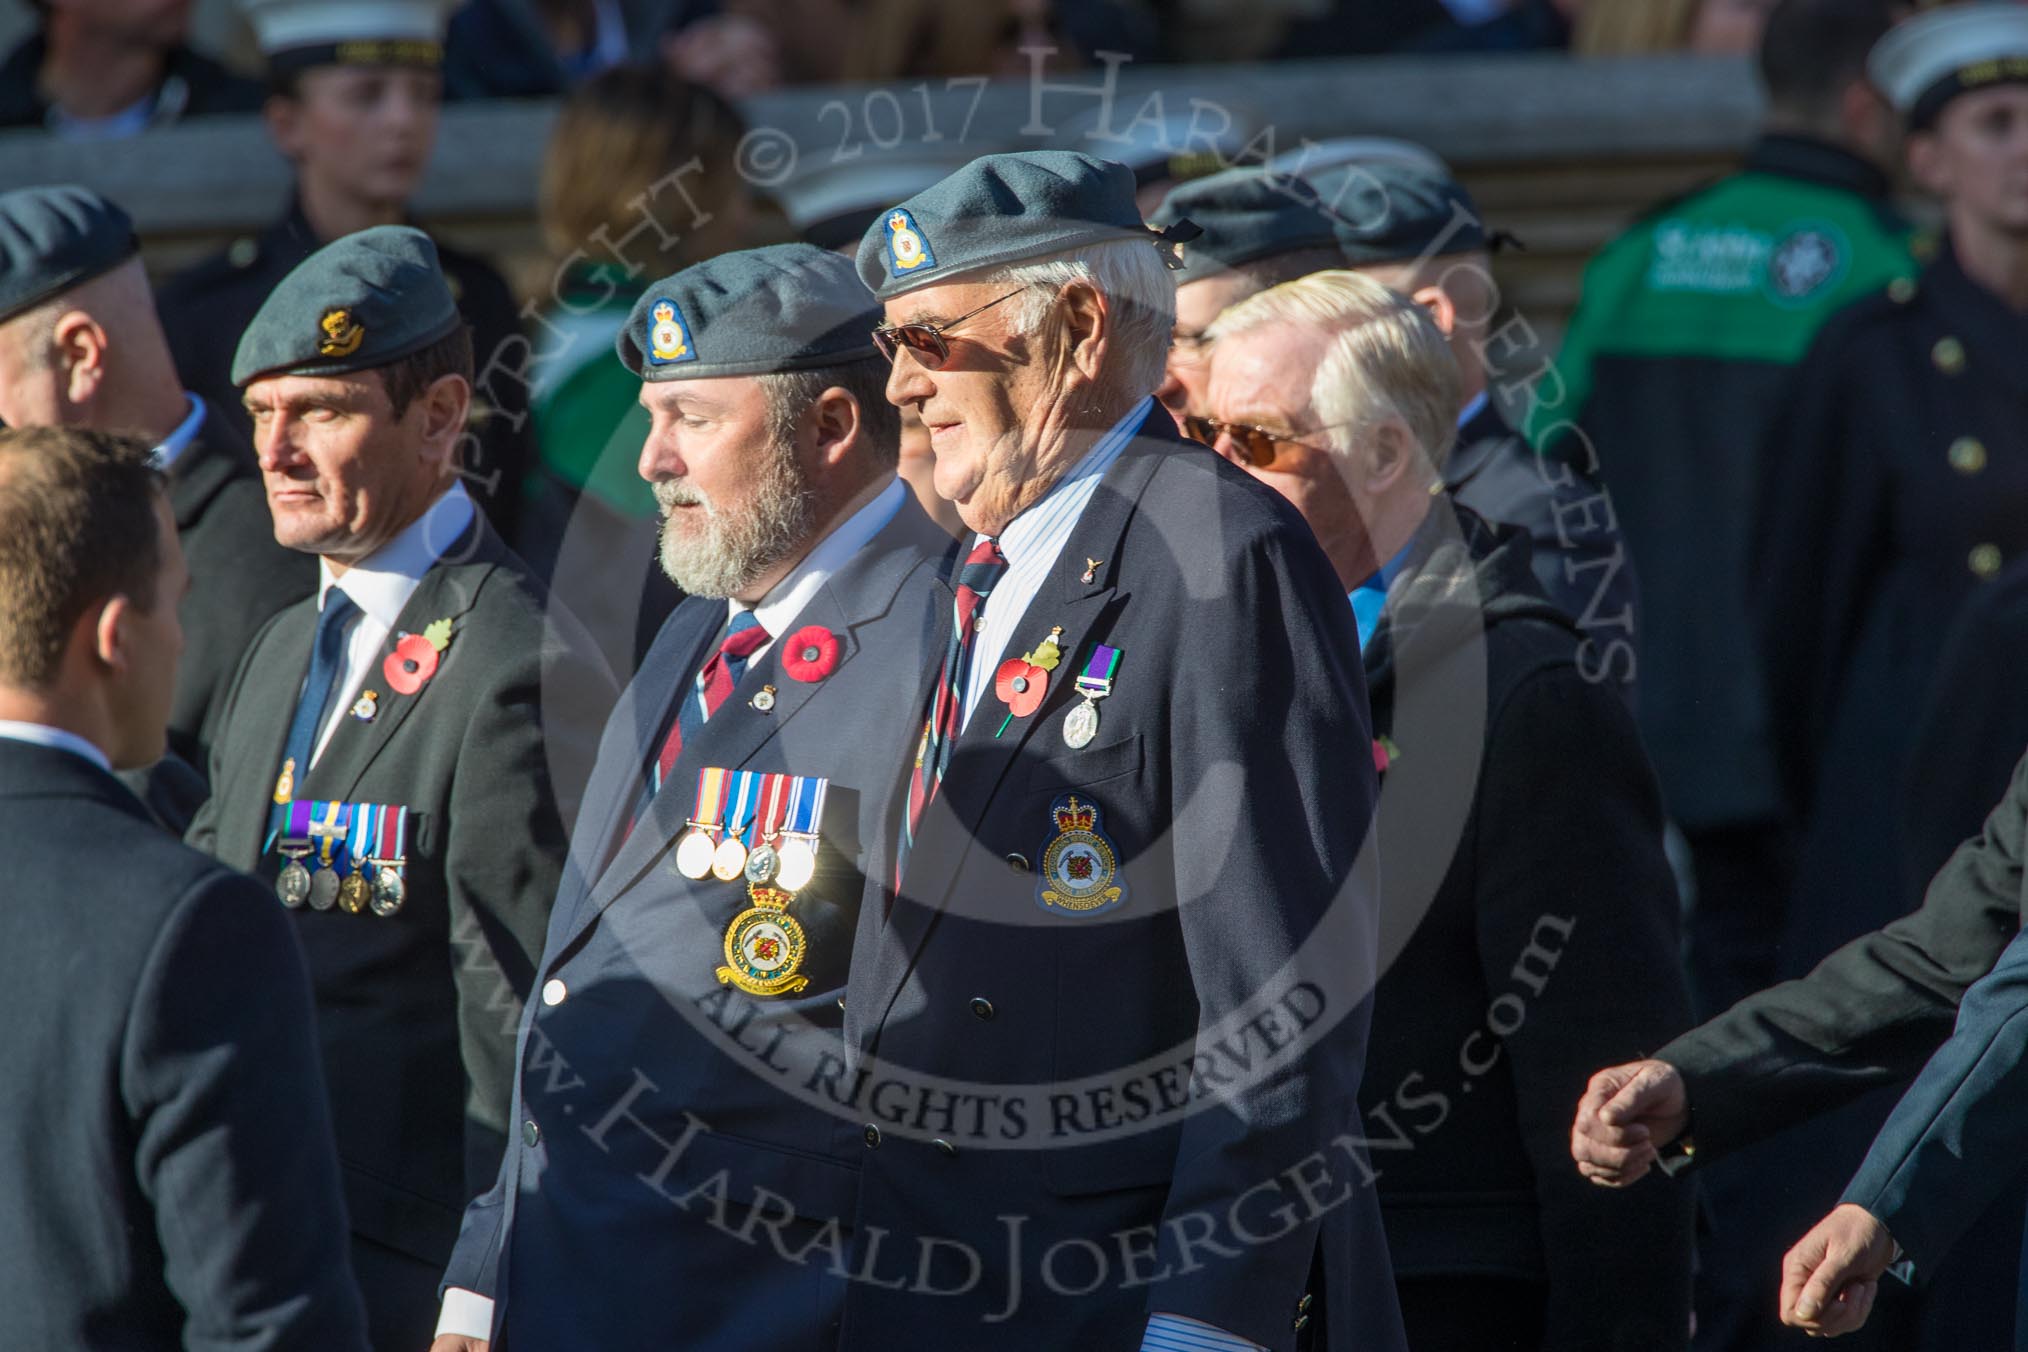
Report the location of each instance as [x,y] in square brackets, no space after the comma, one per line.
[1032,541]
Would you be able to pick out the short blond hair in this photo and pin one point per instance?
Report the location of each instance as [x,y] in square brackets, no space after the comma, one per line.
[1385,356]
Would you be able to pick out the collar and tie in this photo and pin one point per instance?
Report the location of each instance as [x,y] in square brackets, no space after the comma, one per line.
[982,570]
[327,660]
[714,684]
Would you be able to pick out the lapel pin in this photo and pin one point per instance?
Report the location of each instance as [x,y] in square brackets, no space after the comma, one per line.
[1091,567]
[765,700]
[367,705]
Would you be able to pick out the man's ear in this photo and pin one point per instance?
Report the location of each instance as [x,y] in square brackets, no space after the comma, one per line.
[1440,306]
[1087,321]
[106,634]
[443,408]
[1394,455]
[832,424]
[78,348]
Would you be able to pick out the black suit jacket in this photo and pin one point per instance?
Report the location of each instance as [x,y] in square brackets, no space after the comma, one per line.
[239,577]
[1232,774]
[1529,927]
[1581,564]
[417,1011]
[170,1175]
[632,958]
[1869,1014]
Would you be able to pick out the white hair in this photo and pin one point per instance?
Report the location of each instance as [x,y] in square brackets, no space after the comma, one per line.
[1140,292]
[1385,358]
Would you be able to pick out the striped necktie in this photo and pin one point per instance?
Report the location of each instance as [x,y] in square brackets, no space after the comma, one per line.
[713,686]
[982,569]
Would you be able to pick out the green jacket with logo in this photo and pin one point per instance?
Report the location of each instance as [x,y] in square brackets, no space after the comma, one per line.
[1683,343]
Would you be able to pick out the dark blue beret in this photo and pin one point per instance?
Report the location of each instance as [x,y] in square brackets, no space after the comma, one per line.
[1392,211]
[782,308]
[1000,210]
[1246,214]
[53,238]
[366,300]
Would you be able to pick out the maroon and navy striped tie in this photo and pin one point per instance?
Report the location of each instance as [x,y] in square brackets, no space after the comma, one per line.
[983,568]
[712,687]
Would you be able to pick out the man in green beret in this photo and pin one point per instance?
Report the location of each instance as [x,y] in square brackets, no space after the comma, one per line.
[1109,997]
[746,778]
[401,754]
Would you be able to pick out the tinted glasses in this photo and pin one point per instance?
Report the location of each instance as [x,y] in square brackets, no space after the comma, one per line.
[1260,446]
[926,340]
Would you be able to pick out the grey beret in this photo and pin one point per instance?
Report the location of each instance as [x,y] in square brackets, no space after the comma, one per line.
[1394,211]
[999,210]
[781,308]
[51,239]
[1246,214]
[366,300]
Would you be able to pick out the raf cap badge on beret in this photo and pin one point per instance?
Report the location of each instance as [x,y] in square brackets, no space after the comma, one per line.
[342,336]
[907,250]
[668,340]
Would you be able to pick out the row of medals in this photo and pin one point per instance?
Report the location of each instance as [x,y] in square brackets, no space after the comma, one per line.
[789,866]
[353,894]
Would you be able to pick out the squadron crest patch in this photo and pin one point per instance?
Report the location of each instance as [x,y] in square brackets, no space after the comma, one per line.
[1080,866]
[907,250]
[668,336]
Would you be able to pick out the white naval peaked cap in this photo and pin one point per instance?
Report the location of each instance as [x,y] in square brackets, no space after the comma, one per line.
[1923,64]
[286,25]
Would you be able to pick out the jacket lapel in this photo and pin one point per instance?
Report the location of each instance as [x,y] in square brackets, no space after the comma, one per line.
[207,465]
[980,760]
[859,594]
[264,707]
[447,591]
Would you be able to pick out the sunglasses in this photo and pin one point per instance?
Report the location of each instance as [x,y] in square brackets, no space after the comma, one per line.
[926,341]
[1260,446]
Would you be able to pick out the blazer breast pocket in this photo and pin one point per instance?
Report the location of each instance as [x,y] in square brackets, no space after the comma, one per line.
[1064,771]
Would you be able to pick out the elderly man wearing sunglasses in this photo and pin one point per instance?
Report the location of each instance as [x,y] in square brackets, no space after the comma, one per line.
[1142,789]
[1341,395]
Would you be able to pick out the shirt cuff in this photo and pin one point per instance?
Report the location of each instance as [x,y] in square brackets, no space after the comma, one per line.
[1174,1333]
[466,1313]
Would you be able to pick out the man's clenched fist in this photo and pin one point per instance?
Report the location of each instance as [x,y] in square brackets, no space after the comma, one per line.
[1628,1113]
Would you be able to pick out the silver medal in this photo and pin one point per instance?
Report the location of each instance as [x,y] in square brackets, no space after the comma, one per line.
[762,865]
[693,854]
[323,889]
[798,866]
[1080,725]
[293,884]
[389,892]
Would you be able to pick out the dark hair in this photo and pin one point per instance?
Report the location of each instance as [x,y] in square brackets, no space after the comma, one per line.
[77,527]
[790,393]
[1811,50]
[406,379]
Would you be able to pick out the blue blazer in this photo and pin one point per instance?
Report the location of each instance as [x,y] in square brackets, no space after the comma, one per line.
[675,1176]
[1080,1113]
[1954,1141]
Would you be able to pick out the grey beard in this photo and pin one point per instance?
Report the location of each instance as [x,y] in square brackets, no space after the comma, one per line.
[730,549]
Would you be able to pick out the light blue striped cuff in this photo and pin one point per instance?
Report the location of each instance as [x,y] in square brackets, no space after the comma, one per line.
[1174,1333]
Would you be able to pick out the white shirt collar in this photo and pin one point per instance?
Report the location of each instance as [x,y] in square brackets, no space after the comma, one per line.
[786,599]
[1471,410]
[41,734]
[381,583]
[170,449]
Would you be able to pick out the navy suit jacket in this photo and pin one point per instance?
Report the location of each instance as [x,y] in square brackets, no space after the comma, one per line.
[1953,1143]
[675,1160]
[170,1174]
[1135,1090]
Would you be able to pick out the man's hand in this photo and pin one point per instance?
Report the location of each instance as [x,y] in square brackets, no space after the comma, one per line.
[1628,1113]
[1830,1278]
[458,1342]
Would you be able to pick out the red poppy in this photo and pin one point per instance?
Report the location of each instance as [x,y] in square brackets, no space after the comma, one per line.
[811,653]
[1381,760]
[413,661]
[1020,686]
